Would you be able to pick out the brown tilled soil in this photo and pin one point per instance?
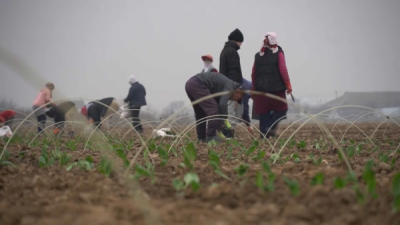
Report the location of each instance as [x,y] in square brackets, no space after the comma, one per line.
[33,195]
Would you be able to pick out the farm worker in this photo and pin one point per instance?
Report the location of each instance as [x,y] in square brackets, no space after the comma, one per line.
[229,65]
[229,61]
[43,98]
[136,99]
[208,67]
[239,111]
[97,111]
[6,117]
[270,75]
[61,113]
[205,84]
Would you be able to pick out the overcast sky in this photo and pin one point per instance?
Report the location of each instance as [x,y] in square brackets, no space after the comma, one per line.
[88,48]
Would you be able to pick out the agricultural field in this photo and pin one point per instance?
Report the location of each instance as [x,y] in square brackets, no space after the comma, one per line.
[115,179]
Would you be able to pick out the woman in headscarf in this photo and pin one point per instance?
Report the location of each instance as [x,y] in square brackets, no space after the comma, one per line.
[208,64]
[44,97]
[270,75]
[136,99]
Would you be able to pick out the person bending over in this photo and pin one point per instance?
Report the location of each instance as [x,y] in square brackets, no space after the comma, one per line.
[205,84]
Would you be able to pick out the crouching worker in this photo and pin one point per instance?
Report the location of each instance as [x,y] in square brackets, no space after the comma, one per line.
[7,117]
[205,84]
[136,99]
[61,113]
[96,112]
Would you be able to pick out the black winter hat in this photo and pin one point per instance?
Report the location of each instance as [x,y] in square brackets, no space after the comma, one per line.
[236,35]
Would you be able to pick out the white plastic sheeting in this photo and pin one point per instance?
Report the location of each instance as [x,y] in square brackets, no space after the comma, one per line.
[5,131]
[162,133]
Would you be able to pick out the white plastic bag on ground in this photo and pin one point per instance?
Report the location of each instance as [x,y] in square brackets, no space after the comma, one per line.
[124,111]
[5,131]
[162,133]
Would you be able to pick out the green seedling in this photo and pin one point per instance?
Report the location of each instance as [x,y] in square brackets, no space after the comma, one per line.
[250,150]
[71,144]
[295,157]
[192,179]
[352,141]
[291,144]
[302,144]
[212,143]
[230,153]
[163,155]
[369,179]
[121,154]
[241,169]
[314,160]
[260,155]
[351,178]
[339,183]
[65,159]
[370,163]
[350,152]
[318,179]
[190,155]
[293,186]
[105,166]
[214,162]
[178,184]
[86,164]
[266,167]
[383,157]
[396,192]
[359,194]
[375,149]
[56,153]
[260,182]
[275,157]
[22,154]
[393,162]
[359,148]
[45,160]
[4,161]
[145,172]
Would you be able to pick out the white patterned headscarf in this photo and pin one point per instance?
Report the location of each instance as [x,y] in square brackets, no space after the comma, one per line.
[269,42]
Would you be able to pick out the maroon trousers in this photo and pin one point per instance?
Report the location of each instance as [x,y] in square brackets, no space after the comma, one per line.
[196,89]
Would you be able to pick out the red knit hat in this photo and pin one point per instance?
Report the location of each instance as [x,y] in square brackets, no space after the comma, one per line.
[84,111]
[205,57]
[2,120]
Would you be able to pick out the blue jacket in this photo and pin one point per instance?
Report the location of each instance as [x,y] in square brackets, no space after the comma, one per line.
[136,96]
[246,85]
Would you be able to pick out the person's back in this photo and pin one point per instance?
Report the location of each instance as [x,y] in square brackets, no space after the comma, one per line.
[43,97]
[137,95]
[217,82]
[229,62]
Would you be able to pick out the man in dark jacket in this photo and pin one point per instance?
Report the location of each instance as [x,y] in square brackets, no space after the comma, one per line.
[136,99]
[205,84]
[61,113]
[99,109]
[229,61]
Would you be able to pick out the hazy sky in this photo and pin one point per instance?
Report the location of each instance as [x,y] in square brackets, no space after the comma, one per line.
[89,48]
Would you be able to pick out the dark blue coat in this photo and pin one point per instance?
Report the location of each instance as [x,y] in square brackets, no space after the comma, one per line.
[136,96]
